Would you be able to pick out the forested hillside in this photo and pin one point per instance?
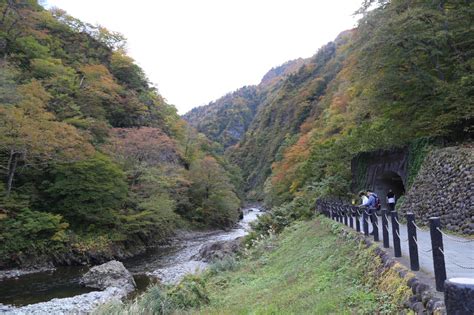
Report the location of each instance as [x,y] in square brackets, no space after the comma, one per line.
[94,162]
[403,74]
[227,119]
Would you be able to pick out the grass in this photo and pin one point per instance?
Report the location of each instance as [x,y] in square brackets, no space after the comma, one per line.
[308,269]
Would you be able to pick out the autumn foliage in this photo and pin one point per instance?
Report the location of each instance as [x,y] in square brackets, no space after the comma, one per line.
[91,155]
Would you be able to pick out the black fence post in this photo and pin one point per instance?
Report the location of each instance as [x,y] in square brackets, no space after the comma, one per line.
[395,233]
[375,225]
[412,245]
[357,219]
[386,242]
[351,216]
[345,215]
[438,253]
[365,223]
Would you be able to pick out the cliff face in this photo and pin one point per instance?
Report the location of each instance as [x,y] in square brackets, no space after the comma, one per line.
[444,188]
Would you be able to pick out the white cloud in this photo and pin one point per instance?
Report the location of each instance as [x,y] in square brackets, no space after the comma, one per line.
[197,51]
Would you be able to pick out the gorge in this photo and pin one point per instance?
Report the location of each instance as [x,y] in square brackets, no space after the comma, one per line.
[96,165]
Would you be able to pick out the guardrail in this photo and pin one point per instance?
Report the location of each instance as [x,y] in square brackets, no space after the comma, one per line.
[348,215]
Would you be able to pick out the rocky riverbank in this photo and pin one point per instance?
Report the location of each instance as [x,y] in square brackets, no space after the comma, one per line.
[112,278]
[169,264]
[79,304]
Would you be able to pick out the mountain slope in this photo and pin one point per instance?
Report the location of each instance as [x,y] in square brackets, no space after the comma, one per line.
[404,73]
[94,163]
[227,119]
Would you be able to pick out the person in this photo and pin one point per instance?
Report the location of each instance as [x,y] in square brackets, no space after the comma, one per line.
[364,199]
[391,200]
[367,202]
[371,206]
[371,193]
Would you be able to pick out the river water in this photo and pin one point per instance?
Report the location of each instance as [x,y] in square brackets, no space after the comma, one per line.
[168,263]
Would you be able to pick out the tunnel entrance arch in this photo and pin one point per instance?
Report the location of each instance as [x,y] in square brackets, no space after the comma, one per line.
[389,180]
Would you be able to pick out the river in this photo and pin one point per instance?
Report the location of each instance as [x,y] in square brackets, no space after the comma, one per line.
[169,263]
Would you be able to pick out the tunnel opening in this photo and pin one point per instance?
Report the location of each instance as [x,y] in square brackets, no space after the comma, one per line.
[389,181]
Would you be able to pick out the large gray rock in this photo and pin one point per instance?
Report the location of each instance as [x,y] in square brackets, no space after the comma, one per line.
[218,250]
[110,274]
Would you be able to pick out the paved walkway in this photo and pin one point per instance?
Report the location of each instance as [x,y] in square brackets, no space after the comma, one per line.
[459,256]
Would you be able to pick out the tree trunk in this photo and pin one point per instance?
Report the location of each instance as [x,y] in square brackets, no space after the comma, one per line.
[12,163]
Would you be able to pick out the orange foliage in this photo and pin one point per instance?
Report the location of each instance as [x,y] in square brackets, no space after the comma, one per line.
[306,126]
[286,171]
[339,103]
[147,145]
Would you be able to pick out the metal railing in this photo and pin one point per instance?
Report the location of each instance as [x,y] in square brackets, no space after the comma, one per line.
[347,214]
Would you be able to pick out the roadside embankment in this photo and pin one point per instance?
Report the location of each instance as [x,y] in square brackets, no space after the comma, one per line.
[312,267]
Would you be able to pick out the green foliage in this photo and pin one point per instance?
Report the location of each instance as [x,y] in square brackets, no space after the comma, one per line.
[31,232]
[404,73]
[417,151]
[154,218]
[126,71]
[226,119]
[227,263]
[29,48]
[279,217]
[87,192]
[310,264]
[8,85]
[190,292]
[69,91]
[153,301]
[213,194]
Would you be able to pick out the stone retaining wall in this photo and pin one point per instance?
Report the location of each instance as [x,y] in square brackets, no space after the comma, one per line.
[444,187]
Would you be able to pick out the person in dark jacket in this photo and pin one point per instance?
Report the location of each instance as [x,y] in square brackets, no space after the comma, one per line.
[391,200]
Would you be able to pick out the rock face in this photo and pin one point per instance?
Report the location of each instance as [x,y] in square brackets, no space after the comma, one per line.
[110,274]
[444,188]
[219,250]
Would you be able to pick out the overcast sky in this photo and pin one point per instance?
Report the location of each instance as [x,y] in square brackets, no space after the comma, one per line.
[197,51]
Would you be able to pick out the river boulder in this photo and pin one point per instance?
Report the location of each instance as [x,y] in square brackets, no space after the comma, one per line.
[110,274]
[218,250]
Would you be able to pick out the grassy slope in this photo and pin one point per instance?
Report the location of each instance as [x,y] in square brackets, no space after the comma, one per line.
[311,268]
[306,270]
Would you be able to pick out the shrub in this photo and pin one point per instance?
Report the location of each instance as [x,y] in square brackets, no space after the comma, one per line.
[190,292]
[31,231]
[228,263]
[280,217]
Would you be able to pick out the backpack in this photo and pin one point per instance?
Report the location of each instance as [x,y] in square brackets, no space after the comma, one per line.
[377,204]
